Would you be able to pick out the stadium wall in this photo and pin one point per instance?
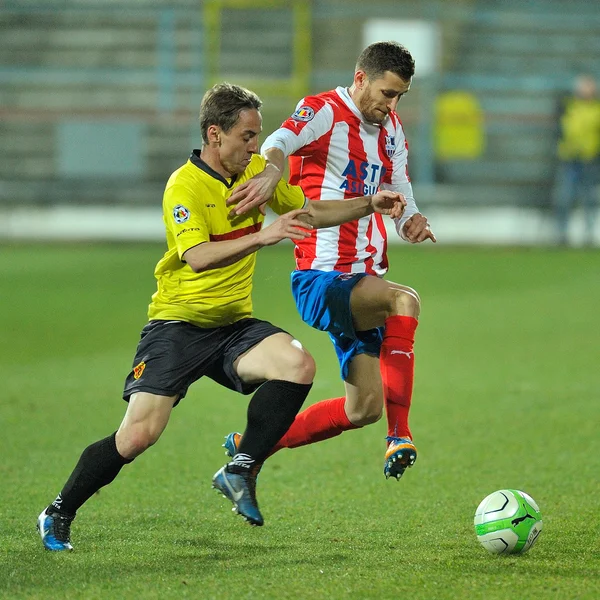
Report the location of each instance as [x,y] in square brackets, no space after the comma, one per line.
[523,226]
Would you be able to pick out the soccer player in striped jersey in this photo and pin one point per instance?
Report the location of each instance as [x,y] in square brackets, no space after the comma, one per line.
[200,316]
[341,144]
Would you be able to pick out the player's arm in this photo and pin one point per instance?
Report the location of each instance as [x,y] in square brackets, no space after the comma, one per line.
[215,255]
[185,219]
[328,213]
[412,226]
[257,190]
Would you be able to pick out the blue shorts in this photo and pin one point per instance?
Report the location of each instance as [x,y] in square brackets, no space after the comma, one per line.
[323,301]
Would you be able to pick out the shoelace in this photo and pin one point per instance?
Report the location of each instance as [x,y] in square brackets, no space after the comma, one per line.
[61,527]
[251,481]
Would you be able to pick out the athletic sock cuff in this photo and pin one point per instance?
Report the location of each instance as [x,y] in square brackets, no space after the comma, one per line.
[112,448]
[338,416]
[401,326]
[290,385]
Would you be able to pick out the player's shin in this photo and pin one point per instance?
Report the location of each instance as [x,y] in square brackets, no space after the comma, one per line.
[98,465]
[271,411]
[397,362]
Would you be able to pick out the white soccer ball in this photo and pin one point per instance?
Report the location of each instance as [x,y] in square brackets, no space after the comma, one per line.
[508,522]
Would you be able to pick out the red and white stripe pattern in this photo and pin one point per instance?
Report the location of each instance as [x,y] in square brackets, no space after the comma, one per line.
[335,154]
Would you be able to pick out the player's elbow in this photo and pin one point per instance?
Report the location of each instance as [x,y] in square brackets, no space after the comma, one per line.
[195,264]
[198,267]
[197,261]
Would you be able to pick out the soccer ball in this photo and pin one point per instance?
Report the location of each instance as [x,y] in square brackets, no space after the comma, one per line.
[508,522]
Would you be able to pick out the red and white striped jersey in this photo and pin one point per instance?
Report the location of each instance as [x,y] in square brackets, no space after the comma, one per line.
[334,154]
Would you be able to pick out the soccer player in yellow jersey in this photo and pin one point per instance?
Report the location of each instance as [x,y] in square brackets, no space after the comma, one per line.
[201,314]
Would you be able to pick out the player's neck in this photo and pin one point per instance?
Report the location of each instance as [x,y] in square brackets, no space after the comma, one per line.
[211,157]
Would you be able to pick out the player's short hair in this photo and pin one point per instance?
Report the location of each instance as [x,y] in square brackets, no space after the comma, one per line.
[380,57]
[222,105]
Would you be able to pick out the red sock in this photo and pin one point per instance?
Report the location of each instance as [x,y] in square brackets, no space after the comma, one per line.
[397,362]
[318,422]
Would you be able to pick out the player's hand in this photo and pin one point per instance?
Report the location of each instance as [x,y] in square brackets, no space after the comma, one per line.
[389,203]
[255,192]
[286,226]
[416,230]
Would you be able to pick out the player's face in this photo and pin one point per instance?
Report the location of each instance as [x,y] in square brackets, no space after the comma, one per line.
[376,98]
[240,142]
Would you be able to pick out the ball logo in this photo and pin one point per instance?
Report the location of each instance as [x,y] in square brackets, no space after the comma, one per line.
[138,370]
[507,522]
[181,214]
[304,113]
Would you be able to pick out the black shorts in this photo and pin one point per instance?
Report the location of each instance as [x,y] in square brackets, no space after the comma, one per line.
[171,355]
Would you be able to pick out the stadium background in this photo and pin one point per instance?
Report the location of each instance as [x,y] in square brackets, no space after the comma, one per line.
[98,104]
[99,101]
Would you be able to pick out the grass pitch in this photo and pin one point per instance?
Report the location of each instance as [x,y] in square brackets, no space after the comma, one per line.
[506,395]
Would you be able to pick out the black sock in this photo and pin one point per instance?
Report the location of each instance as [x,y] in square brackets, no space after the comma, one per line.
[98,465]
[271,411]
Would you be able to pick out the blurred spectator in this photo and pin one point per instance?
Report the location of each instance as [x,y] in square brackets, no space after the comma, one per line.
[578,156]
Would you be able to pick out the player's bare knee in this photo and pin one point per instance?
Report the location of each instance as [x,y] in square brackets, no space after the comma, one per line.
[366,417]
[131,442]
[405,302]
[300,367]
[368,410]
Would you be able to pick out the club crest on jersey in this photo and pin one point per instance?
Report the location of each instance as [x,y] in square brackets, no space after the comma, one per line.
[138,370]
[304,113]
[181,214]
[390,145]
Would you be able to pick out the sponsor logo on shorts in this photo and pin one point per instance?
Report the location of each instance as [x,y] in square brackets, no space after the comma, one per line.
[181,214]
[304,113]
[345,276]
[138,370]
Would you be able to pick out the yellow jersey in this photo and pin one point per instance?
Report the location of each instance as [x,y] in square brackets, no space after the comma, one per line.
[580,130]
[194,212]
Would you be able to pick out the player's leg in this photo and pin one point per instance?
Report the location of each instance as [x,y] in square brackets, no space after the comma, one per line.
[284,370]
[375,302]
[99,464]
[323,300]
[362,404]
[168,360]
[288,371]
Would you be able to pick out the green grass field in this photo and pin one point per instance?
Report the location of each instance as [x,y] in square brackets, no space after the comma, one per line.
[506,395]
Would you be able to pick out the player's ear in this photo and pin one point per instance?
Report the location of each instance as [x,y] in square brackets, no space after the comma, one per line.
[214,135]
[360,79]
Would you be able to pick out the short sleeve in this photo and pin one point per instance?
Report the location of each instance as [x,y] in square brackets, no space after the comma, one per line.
[184,218]
[287,197]
[312,119]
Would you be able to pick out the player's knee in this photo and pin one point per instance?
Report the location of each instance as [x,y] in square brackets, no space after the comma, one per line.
[404,302]
[132,441]
[367,416]
[297,366]
[368,410]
